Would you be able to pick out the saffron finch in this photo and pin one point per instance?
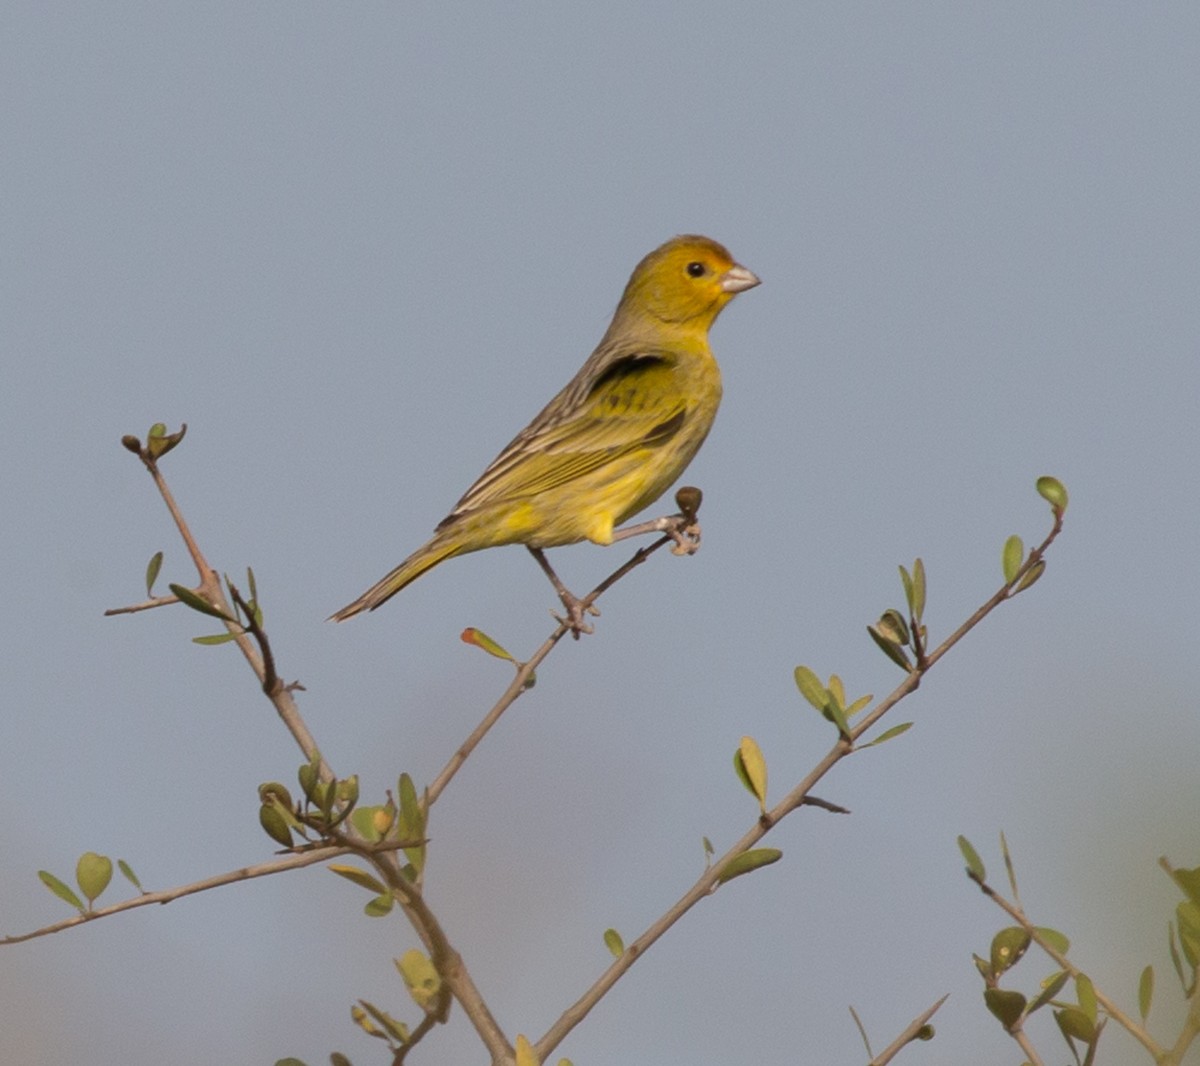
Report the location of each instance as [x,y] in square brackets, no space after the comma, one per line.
[615,438]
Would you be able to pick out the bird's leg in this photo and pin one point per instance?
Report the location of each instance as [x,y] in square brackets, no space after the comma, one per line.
[683,528]
[573,604]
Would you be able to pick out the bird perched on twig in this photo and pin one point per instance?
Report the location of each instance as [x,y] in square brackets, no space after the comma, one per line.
[614,439]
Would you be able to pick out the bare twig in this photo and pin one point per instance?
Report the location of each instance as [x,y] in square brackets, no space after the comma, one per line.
[911,1032]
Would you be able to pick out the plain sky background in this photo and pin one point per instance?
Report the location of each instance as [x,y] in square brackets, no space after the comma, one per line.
[356,246]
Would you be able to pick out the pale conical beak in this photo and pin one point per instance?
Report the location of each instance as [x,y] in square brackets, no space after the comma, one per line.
[738,279]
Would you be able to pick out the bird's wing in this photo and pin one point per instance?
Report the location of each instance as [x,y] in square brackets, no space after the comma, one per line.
[628,403]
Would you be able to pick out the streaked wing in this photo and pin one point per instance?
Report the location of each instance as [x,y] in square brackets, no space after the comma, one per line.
[629,405]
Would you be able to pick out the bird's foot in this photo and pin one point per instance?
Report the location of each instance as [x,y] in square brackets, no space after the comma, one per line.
[686,535]
[576,608]
[577,611]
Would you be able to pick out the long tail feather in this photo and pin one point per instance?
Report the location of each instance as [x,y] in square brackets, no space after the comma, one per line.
[413,567]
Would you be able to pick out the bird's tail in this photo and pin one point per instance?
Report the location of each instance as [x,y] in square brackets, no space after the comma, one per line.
[413,567]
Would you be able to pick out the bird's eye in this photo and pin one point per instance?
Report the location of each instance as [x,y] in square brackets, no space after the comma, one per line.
[695,270]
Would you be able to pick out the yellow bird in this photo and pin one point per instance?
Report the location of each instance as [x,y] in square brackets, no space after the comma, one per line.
[612,441]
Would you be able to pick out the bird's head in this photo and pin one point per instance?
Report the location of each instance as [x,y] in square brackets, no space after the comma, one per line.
[685,282]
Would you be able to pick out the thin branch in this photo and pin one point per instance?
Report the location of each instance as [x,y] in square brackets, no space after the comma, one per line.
[525,670]
[1018,915]
[911,1032]
[710,880]
[210,590]
[294,861]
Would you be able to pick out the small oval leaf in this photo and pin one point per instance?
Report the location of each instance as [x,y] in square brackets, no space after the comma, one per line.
[1008,946]
[614,943]
[93,873]
[129,875]
[749,860]
[1055,939]
[1012,557]
[810,687]
[754,766]
[61,890]
[1146,992]
[480,639]
[152,569]
[191,599]
[1053,492]
[275,824]
[975,865]
[1005,1005]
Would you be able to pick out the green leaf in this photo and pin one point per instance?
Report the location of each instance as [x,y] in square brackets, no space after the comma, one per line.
[309,776]
[130,876]
[480,639]
[889,648]
[893,627]
[907,581]
[1008,946]
[190,599]
[274,824]
[1008,865]
[1006,1006]
[859,705]
[1085,992]
[1176,961]
[1031,575]
[1053,492]
[810,687]
[398,1031]
[380,906]
[358,877]
[411,821]
[1054,938]
[752,769]
[159,442]
[1012,557]
[363,820]
[984,968]
[215,638]
[1146,992]
[1051,987]
[918,582]
[747,861]
[1075,1025]
[152,569]
[61,890]
[93,873]
[1189,882]
[975,865]
[614,943]
[888,734]
[421,978]
[837,716]
[709,850]
[1187,915]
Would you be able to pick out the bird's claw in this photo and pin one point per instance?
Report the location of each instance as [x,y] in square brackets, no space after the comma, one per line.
[686,537]
[576,611]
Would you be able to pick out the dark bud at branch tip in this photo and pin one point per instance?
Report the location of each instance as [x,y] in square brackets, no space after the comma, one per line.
[131,443]
[687,499]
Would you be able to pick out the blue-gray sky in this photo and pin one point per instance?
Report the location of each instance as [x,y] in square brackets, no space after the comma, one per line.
[355,247]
